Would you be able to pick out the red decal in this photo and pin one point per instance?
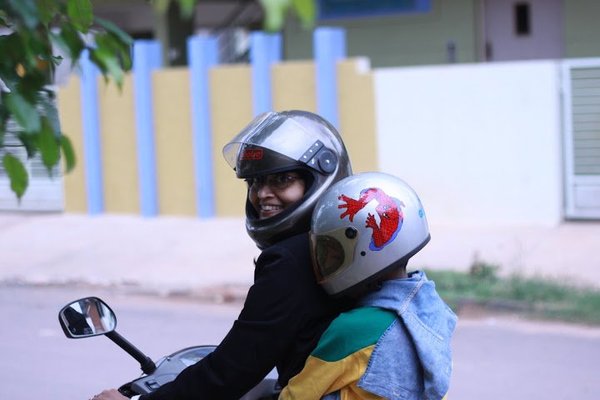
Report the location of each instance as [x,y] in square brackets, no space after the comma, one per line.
[252,154]
[390,215]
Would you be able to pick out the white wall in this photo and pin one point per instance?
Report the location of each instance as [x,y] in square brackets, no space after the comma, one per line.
[481,143]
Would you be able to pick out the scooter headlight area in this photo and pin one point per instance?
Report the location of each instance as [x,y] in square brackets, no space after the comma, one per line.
[91,316]
[167,369]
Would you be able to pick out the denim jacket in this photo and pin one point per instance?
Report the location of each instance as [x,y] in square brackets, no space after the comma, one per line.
[412,359]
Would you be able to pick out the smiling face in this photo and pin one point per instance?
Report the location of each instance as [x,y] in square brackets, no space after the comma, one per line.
[271,194]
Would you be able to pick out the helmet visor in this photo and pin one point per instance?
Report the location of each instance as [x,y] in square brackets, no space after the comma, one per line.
[267,134]
[333,251]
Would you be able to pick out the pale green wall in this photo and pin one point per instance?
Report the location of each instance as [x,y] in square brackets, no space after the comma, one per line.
[400,40]
[582,28]
[421,38]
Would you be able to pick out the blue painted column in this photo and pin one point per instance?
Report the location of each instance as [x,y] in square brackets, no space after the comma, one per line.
[265,50]
[146,58]
[203,53]
[92,150]
[329,47]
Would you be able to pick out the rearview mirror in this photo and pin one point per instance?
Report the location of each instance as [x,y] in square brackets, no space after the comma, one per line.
[87,317]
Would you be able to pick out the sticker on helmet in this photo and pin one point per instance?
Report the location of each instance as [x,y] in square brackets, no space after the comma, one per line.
[388,209]
[252,154]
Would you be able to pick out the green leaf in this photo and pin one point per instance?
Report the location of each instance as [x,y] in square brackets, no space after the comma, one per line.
[115,30]
[47,9]
[108,63]
[29,142]
[27,12]
[17,174]
[48,145]
[187,8]
[306,11]
[24,112]
[11,48]
[4,114]
[275,11]
[4,19]
[115,41]
[80,12]
[161,6]
[68,153]
[70,41]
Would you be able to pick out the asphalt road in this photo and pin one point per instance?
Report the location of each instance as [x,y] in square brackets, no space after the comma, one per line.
[494,357]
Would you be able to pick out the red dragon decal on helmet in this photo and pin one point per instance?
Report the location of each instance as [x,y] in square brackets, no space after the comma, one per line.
[390,215]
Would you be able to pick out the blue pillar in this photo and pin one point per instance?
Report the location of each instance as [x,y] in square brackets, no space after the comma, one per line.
[202,55]
[265,50]
[92,151]
[146,58]
[329,48]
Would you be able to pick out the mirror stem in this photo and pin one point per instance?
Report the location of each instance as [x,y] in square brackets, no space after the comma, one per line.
[146,362]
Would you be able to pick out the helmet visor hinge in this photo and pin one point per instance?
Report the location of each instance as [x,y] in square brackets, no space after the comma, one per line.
[320,158]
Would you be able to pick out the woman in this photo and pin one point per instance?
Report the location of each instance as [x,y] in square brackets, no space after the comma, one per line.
[288,160]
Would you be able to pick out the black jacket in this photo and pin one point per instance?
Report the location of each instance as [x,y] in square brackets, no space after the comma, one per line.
[284,315]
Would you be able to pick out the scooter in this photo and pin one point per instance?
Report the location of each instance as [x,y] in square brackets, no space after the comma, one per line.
[91,316]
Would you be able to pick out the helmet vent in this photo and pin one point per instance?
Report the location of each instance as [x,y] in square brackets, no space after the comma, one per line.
[351,233]
[310,153]
[320,158]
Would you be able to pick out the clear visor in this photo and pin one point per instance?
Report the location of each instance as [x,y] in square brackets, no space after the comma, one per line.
[333,251]
[275,132]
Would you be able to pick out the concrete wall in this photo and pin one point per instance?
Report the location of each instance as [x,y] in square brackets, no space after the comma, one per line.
[231,108]
[70,115]
[118,147]
[481,143]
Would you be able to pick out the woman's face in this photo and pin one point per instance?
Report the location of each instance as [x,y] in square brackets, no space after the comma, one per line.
[271,194]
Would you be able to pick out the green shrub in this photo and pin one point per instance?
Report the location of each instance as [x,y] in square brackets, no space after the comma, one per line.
[538,297]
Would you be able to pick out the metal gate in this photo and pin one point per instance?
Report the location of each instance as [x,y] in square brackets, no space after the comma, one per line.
[45,191]
[581,117]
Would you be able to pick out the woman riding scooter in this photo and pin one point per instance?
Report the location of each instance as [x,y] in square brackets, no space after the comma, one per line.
[288,160]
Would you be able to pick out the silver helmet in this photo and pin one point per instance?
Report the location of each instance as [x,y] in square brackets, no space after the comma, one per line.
[363,227]
[285,141]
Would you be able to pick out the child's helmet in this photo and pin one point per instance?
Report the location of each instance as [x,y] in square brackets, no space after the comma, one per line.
[288,141]
[364,227]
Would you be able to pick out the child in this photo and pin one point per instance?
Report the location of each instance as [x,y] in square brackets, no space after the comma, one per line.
[396,344]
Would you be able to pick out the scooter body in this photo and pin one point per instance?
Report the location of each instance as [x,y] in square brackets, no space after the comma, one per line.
[91,316]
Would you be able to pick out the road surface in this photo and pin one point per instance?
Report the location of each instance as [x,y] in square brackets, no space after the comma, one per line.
[494,357]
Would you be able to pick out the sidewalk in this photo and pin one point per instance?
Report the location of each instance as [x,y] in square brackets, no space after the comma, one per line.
[179,255]
[568,252]
[165,255]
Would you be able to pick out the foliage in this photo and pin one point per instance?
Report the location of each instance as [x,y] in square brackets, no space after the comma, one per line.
[275,11]
[538,297]
[31,33]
